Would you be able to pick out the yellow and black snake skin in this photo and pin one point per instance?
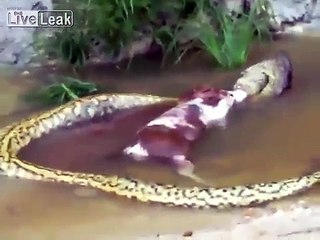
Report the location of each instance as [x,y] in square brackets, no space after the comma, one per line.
[18,135]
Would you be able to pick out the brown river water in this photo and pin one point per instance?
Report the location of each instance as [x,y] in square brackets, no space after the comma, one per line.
[264,141]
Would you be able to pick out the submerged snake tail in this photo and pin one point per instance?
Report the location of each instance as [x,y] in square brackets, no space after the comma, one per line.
[16,136]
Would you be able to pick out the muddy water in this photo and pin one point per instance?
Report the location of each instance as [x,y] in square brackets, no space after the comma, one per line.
[265,141]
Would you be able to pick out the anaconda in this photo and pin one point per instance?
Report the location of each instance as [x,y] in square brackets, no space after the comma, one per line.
[19,134]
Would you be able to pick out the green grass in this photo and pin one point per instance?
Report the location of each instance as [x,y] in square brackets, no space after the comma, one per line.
[119,22]
[177,26]
[61,91]
[229,40]
[231,43]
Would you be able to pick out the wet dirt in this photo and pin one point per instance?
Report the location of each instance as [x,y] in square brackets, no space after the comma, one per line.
[264,141]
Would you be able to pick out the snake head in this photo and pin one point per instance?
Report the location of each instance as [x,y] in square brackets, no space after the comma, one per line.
[284,64]
[270,77]
[278,74]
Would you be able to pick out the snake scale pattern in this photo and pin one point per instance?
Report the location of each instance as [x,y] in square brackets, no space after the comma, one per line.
[18,135]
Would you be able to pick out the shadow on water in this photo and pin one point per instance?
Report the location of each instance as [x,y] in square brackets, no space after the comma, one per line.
[264,141]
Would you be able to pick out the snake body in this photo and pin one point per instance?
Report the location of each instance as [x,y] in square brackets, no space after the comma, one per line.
[18,135]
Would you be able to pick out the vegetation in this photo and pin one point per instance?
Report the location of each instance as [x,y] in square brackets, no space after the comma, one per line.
[176,26]
[231,44]
[63,90]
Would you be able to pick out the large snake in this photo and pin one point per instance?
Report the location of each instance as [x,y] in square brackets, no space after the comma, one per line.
[18,135]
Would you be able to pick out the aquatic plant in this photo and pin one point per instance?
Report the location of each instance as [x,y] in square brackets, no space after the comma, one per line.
[230,44]
[227,37]
[176,26]
[64,89]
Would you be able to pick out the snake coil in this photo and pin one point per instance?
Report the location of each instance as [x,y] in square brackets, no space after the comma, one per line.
[18,135]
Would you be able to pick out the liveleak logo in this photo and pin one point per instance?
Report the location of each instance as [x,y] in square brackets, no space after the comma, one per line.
[41,18]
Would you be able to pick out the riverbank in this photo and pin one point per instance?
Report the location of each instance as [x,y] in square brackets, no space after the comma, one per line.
[17,45]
